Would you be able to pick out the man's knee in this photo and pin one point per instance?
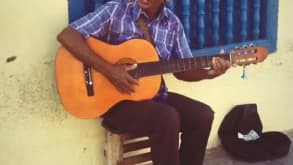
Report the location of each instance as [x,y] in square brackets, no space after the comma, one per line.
[208,114]
[204,117]
[167,116]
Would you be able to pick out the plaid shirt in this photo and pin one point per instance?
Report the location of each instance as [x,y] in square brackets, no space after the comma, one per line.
[117,21]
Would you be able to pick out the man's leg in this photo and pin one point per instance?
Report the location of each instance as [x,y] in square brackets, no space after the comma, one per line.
[159,121]
[196,121]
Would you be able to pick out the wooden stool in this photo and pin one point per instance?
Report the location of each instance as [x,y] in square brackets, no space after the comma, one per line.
[127,149]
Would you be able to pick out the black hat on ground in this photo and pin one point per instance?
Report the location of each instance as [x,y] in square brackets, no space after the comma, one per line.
[241,135]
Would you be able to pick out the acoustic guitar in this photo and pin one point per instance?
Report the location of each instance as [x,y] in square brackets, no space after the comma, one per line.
[86,93]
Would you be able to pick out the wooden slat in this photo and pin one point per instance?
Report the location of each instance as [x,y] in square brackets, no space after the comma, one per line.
[125,137]
[113,148]
[135,159]
[136,145]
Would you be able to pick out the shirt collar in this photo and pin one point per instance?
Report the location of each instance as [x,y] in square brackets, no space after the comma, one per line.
[137,12]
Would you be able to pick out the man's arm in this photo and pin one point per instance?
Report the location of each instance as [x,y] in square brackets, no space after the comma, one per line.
[182,50]
[219,67]
[75,43]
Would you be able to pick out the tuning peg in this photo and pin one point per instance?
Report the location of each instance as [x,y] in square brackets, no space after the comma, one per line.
[237,48]
[244,47]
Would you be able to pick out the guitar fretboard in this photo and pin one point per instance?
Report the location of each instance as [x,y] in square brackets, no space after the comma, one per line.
[176,65]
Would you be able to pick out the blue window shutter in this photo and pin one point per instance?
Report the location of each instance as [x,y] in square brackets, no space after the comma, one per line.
[78,8]
[214,24]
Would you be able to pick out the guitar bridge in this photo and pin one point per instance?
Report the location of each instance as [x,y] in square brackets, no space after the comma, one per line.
[88,80]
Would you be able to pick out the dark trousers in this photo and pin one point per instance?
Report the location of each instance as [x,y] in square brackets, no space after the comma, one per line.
[162,123]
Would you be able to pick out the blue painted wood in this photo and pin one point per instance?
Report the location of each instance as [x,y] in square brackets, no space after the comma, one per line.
[89,5]
[229,21]
[256,19]
[216,21]
[201,23]
[271,23]
[76,9]
[98,3]
[243,20]
[228,47]
[171,5]
[185,17]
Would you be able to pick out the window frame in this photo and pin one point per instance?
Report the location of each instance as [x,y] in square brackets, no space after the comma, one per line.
[78,8]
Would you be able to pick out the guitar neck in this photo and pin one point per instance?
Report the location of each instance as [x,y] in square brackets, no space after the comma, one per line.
[176,65]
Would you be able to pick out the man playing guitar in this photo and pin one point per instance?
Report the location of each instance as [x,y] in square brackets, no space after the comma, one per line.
[168,113]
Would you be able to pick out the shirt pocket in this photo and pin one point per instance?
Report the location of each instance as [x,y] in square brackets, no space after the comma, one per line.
[121,31]
[164,44]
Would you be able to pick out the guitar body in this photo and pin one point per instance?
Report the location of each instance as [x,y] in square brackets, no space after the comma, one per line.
[74,90]
[71,83]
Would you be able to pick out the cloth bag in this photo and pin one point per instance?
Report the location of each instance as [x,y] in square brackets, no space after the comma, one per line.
[241,135]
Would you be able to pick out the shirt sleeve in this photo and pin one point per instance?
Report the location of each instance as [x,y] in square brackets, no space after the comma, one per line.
[97,22]
[181,47]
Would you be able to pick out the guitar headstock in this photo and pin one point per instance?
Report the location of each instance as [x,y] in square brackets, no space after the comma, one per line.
[248,55]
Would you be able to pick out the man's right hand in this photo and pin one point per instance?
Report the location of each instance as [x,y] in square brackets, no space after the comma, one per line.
[118,75]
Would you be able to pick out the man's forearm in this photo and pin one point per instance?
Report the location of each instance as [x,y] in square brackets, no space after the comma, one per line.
[195,75]
[74,42]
